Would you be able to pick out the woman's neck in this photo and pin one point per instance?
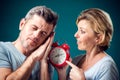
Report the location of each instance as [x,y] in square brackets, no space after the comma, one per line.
[91,58]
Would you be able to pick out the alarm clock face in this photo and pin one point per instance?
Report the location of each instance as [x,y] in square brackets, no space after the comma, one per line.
[58,55]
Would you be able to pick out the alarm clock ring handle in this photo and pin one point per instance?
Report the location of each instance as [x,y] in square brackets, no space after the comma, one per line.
[66,46]
[55,44]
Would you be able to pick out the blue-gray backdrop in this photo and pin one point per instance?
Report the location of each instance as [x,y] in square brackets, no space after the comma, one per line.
[11,12]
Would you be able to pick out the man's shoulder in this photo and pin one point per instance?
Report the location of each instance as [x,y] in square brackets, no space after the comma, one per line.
[4,45]
[3,49]
[6,48]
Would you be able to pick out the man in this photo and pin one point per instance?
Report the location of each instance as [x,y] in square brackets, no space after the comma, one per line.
[26,57]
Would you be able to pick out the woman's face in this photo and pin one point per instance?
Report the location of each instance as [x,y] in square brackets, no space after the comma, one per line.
[85,36]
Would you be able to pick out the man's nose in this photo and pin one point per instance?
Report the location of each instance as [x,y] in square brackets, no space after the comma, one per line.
[37,34]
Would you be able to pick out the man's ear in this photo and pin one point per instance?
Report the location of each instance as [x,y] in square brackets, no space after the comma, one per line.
[22,23]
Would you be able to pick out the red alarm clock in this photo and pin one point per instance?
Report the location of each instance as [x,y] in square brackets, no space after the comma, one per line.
[59,54]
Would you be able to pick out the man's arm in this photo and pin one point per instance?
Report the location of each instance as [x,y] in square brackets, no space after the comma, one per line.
[4,72]
[23,72]
[44,72]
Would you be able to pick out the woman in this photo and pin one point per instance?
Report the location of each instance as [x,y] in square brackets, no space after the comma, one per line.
[94,34]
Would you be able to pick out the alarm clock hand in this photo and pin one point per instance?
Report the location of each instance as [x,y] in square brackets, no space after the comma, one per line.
[75,73]
[58,55]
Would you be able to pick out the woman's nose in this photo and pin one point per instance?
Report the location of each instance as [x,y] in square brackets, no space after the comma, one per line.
[76,35]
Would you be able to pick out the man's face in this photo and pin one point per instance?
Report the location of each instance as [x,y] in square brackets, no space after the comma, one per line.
[34,32]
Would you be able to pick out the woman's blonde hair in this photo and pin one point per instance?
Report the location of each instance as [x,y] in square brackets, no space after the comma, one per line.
[102,24]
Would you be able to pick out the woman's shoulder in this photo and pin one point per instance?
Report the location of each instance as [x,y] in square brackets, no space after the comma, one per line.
[108,67]
[107,60]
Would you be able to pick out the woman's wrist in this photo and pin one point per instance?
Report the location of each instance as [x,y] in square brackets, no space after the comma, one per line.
[61,74]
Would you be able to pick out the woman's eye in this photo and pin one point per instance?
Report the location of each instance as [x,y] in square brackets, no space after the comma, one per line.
[82,31]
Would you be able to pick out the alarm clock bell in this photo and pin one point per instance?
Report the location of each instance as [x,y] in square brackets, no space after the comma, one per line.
[59,54]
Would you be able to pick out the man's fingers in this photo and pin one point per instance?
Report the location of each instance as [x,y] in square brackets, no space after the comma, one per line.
[72,65]
[46,42]
[49,45]
[49,40]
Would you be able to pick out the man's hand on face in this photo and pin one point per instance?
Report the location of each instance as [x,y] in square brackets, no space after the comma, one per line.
[42,51]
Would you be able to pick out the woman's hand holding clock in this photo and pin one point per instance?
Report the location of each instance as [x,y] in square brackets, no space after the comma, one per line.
[62,71]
